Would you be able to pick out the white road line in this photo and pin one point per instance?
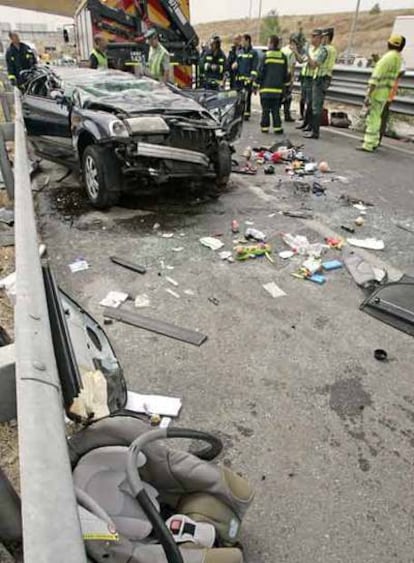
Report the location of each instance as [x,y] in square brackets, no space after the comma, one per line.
[358,138]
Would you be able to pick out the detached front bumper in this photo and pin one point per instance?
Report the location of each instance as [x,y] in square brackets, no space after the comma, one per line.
[170,153]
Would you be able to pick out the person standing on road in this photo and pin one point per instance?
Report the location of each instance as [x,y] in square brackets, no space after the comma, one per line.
[214,65]
[386,111]
[327,38]
[291,51]
[380,85]
[314,84]
[159,57]
[246,68]
[232,60]
[98,59]
[19,57]
[273,79]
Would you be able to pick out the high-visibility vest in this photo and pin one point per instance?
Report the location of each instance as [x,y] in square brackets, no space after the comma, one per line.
[101,58]
[323,69]
[385,74]
[274,74]
[155,59]
[309,72]
[331,59]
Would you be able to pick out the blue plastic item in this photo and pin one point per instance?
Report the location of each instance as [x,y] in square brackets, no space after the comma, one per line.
[317,278]
[332,265]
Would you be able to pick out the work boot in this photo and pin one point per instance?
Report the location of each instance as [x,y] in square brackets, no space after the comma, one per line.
[307,128]
[311,135]
[301,126]
[363,149]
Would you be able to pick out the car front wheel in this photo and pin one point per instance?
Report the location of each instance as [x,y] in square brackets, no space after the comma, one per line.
[101,176]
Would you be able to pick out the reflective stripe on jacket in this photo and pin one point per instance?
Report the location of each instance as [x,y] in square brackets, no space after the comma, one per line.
[385,74]
[247,62]
[218,60]
[155,61]
[273,74]
[18,59]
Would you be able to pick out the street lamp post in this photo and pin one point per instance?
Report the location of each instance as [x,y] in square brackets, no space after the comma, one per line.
[259,23]
[353,28]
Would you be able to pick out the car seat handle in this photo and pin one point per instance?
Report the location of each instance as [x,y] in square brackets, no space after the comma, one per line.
[163,534]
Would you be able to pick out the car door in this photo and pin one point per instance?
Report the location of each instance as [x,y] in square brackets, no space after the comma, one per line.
[227,106]
[47,121]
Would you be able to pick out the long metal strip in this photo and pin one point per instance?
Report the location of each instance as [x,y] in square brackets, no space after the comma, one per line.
[51,527]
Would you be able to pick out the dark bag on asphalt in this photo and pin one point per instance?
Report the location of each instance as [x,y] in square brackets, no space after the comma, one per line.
[340,119]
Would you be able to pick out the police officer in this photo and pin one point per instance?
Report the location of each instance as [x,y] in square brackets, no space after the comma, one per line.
[291,51]
[232,60]
[327,38]
[19,57]
[273,79]
[214,65]
[246,68]
[159,57]
[98,58]
[314,85]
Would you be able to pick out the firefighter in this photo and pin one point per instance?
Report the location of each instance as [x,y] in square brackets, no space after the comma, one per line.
[314,85]
[291,51]
[214,65]
[19,57]
[232,60]
[246,71]
[327,38]
[273,79]
[98,59]
[380,86]
[159,57]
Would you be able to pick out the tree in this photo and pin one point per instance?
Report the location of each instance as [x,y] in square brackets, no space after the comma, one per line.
[269,26]
[375,10]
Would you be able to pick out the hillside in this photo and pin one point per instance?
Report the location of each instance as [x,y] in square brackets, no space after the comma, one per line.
[372,31]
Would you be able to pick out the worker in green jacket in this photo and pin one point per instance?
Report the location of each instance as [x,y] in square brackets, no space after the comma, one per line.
[98,58]
[380,85]
[159,57]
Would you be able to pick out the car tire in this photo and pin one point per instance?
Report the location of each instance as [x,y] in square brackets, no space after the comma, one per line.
[223,169]
[101,176]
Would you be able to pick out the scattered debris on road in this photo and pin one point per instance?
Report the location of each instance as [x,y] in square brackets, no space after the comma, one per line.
[155,325]
[142,301]
[273,290]
[114,299]
[129,265]
[79,265]
[369,243]
[212,243]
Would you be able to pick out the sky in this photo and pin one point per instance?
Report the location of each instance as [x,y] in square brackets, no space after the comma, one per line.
[214,10]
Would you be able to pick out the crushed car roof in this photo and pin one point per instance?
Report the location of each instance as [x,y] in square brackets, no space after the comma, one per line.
[124,90]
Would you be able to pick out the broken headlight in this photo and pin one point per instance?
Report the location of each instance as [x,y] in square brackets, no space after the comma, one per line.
[118,129]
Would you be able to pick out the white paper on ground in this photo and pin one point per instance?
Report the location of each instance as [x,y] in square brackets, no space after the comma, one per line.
[370,243]
[165,422]
[153,404]
[114,299]
[173,293]
[78,266]
[211,242]
[285,254]
[171,281]
[274,290]
[142,301]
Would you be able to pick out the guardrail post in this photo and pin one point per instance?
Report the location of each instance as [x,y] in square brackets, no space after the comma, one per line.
[51,527]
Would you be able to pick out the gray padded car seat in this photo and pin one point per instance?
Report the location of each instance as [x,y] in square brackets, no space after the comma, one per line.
[177,483]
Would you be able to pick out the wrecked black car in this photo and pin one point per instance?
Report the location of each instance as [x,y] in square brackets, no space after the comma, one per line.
[123,132]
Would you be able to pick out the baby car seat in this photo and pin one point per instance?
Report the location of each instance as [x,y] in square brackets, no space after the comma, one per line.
[159,505]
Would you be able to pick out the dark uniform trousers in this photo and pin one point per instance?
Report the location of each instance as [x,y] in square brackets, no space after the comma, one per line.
[271,107]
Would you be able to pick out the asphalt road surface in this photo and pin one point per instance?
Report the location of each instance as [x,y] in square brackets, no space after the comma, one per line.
[323,430]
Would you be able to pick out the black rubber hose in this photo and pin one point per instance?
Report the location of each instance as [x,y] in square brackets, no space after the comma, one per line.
[208,453]
[165,537]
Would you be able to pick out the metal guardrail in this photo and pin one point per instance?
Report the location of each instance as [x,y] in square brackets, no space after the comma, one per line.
[51,527]
[350,84]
